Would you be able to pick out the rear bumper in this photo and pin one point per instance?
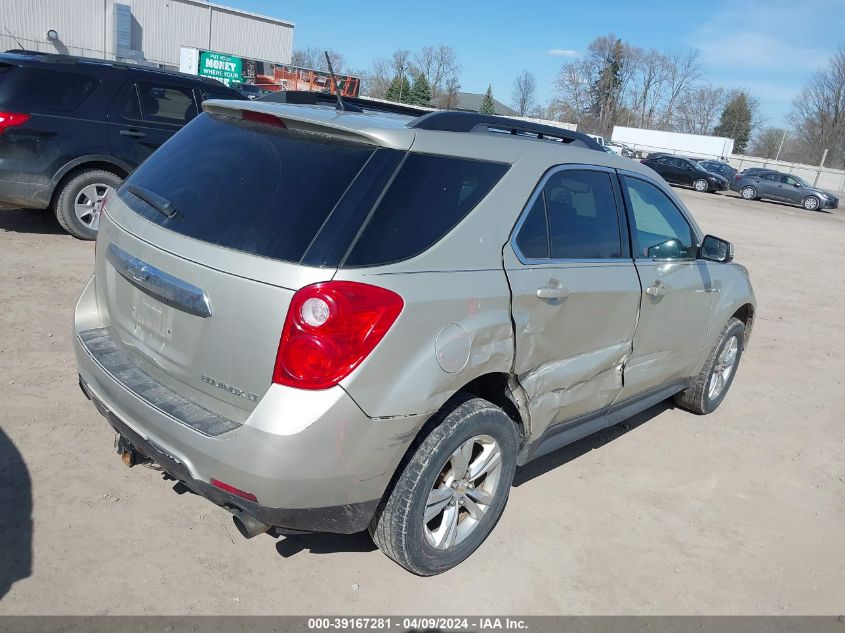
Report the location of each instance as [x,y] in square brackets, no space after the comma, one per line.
[23,195]
[313,460]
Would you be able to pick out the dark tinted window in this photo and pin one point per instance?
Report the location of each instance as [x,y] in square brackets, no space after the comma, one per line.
[656,220]
[771,177]
[166,104]
[427,198]
[583,221]
[33,88]
[533,237]
[247,186]
[205,93]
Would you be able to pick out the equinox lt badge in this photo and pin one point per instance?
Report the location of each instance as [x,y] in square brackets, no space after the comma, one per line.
[235,391]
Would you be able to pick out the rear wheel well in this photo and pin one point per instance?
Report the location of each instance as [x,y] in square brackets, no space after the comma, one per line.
[494,388]
[78,169]
[746,315]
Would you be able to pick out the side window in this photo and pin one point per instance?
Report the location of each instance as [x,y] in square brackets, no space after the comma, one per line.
[533,237]
[428,197]
[659,229]
[166,104]
[211,94]
[582,215]
[34,88]
[770,177]
[789,180]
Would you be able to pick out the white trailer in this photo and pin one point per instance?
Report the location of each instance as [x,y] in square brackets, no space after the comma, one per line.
[646,142]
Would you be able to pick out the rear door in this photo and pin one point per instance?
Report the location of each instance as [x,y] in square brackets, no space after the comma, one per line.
[200,251]
[768,185]
[676,289]
[668,168]
[146,114]
[575,294]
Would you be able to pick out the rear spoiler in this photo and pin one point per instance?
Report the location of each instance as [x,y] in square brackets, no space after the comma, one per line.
[315,120]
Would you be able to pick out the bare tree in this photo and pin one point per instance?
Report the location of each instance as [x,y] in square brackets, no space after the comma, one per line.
[376,80]
[438,64]
[315,59]
[818,113]
[768,142]
[699,109]
[649,85]
[524,92]
[448,98]
[683,70]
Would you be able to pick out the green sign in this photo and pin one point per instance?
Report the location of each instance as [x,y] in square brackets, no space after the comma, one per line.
[224,68]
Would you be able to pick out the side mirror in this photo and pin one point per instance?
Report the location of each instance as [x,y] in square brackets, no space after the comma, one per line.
[715,249]
[670,249]
[797,185]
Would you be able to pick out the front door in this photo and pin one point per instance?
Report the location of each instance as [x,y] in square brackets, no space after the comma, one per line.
[145,115]
[676,290]
[575,295]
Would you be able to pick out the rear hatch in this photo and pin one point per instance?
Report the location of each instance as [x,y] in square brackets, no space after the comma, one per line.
[203,247]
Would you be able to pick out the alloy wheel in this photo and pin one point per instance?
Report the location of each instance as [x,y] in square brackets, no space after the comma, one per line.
[463,492]
[700,185]
[725,364]
[89,203]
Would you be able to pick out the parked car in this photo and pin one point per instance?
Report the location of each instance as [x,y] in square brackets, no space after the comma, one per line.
[250,91]
[775,185]
[718,167]
[684,171]
[338,321]
[72,128]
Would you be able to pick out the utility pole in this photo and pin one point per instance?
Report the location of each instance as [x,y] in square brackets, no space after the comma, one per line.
[782,139]
[821,165]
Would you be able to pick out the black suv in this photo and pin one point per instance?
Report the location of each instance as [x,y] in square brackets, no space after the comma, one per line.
[71,128]
[678,170]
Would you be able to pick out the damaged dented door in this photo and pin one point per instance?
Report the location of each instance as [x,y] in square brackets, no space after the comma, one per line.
[575,294]
[677,290]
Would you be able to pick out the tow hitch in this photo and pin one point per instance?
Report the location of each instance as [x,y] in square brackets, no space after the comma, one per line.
[128,453]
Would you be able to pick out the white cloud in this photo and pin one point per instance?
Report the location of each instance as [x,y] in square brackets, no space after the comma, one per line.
[562,52]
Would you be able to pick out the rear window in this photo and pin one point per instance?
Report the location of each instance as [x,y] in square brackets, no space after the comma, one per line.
[247,186]
[428,197]
[34,88]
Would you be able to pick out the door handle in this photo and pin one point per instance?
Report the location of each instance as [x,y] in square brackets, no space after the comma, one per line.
[132,133]
[555,290]
[656,290]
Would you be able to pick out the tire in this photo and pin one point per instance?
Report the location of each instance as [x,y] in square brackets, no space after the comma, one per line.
[748,193]
[700,397]
[398,527]
[811,203]
[700,185]
[78,204]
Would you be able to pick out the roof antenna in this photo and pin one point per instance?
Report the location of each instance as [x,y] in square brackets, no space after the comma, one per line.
[14,38]
[344,107]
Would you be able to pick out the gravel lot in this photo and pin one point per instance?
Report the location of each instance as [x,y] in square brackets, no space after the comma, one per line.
[741,512]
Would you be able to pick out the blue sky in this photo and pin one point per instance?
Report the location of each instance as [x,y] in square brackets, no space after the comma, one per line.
[769,48]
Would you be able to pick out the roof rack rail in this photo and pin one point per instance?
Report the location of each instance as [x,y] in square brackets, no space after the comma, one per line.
[307,97]
[450,121]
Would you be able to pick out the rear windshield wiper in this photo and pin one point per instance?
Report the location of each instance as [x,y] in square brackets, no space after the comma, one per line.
[157,202]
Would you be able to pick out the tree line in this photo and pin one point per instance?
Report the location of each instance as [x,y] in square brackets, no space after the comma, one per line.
[617,83]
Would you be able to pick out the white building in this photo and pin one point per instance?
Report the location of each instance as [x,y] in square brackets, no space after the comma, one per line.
[149,30]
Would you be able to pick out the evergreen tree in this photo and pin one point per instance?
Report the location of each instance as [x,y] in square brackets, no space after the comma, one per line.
[420,93]
[735,122]
[399,90]
[488,106]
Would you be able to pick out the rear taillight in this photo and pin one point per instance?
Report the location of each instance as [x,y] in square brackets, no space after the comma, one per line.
[330,329]
[12,119]
[737,177]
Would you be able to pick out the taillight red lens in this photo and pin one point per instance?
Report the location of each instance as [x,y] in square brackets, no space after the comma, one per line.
[330,329]
[12,119]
